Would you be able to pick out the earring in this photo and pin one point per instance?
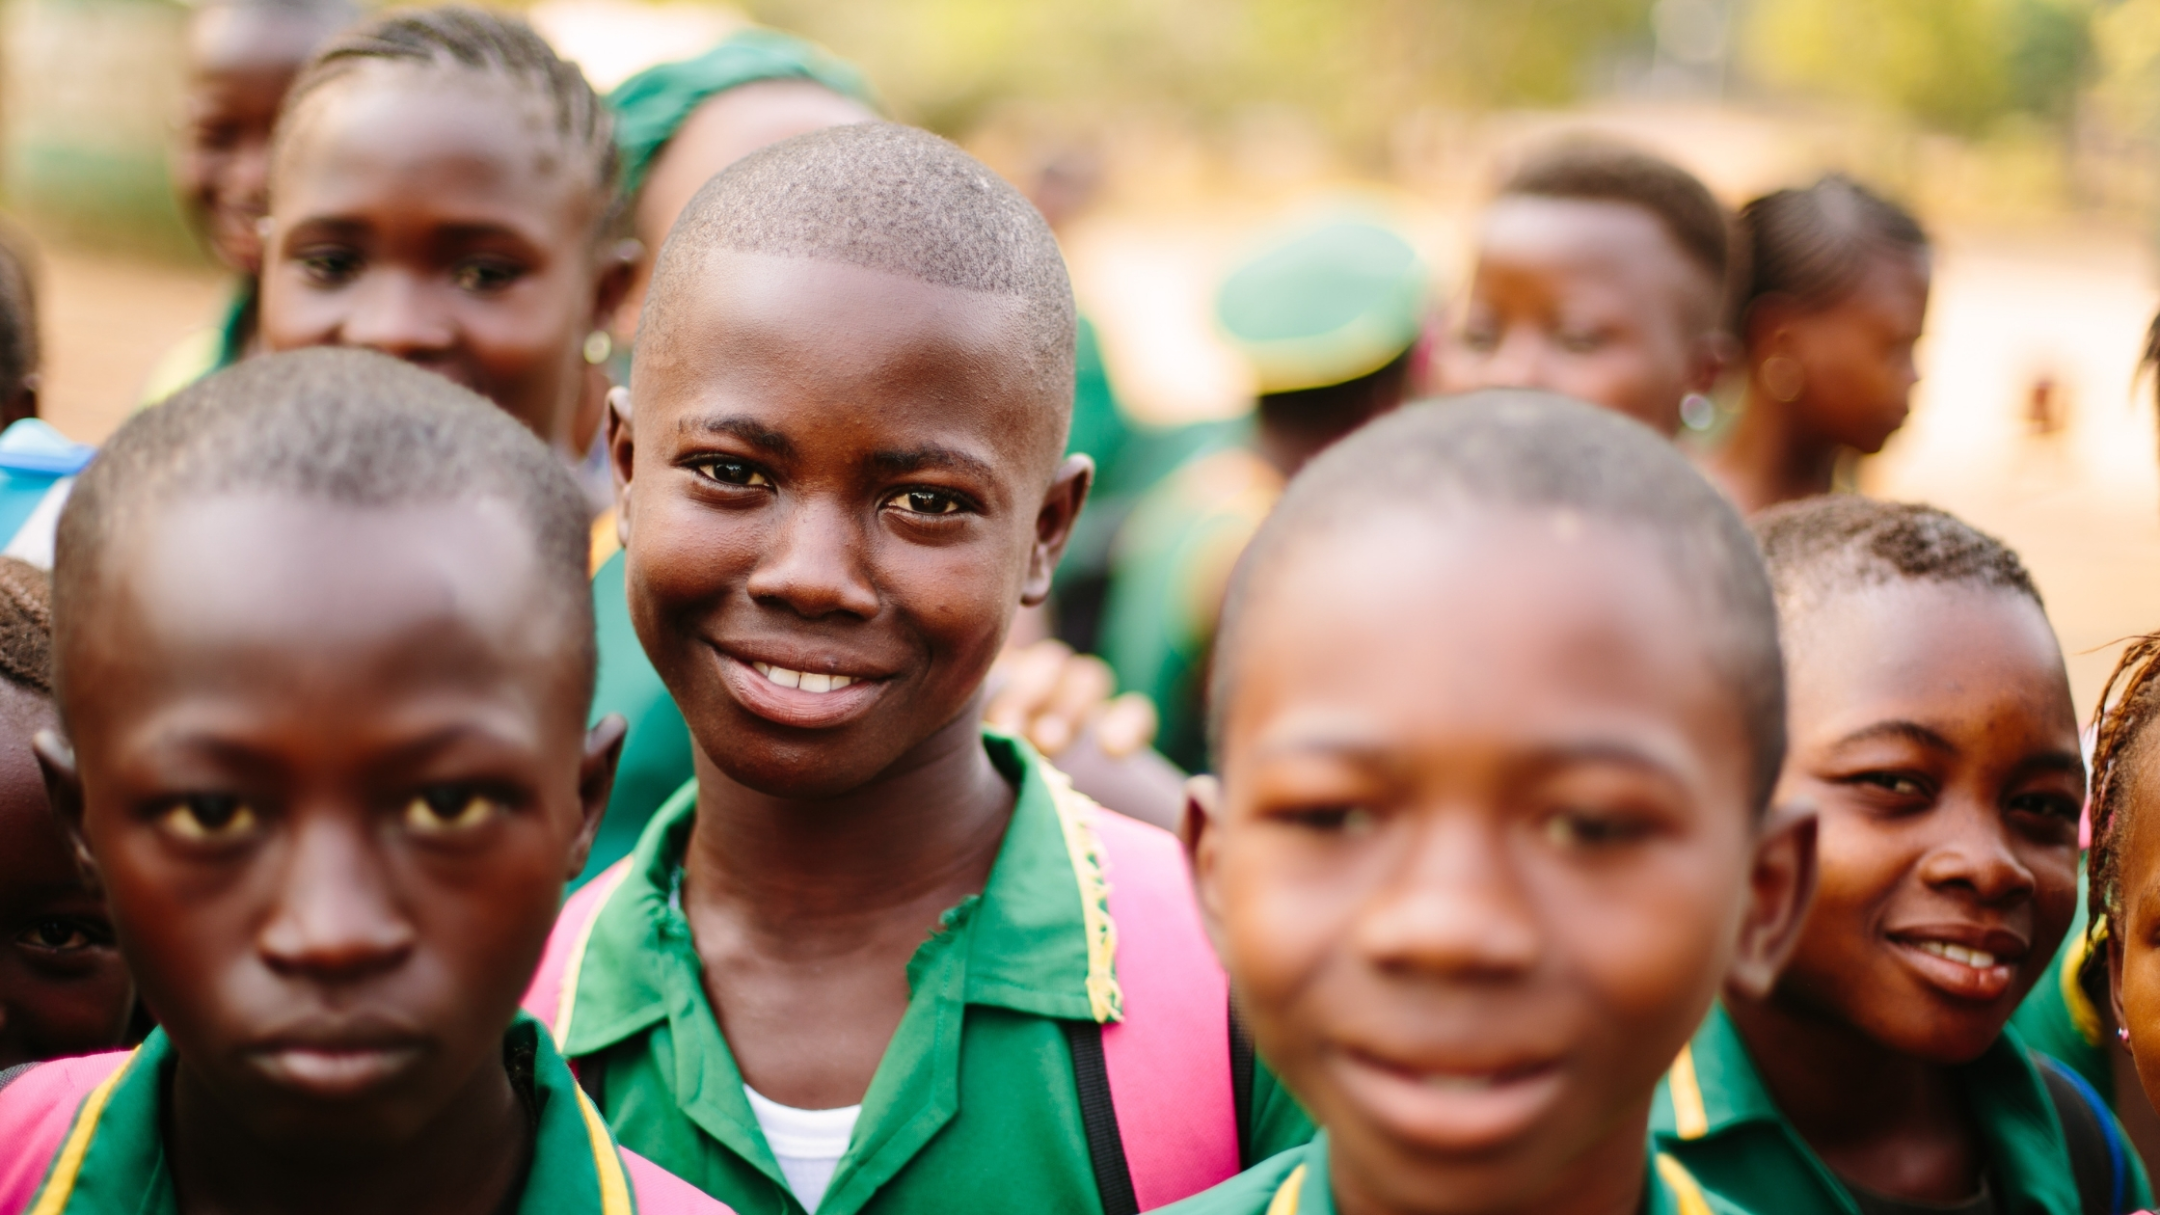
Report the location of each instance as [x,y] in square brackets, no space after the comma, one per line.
[1697,411]
[598,346]
[2122,1034]
[1782,378]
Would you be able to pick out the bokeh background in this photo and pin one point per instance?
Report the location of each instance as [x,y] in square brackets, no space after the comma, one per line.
[2026,133]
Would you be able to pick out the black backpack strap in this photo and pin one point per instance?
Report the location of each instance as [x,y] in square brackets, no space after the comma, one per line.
[9,1075]
[1241,1083]
[1098,1118]
[2096,1148]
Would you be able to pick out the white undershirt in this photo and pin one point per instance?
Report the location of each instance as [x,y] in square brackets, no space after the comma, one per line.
[807,1143]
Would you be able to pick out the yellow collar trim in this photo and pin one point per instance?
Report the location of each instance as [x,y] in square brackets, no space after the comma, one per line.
[1106,1002]
[61,1185]
[1687,1195]
[614,1187]
[1689,1117]
[1285,1201]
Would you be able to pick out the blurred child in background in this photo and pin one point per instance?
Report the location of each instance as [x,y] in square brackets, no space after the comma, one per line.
[1326,316]
[1500,711]
[1602,273]
[242,56]
[1932,728]
[64,989]
[1834,298]
[37,463]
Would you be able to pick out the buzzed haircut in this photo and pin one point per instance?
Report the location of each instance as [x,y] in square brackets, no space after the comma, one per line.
[348,427]
[1814,244]
[1819,547]
[892,199]
[1515,450]
[26,646]
[1599,170]
[459,38]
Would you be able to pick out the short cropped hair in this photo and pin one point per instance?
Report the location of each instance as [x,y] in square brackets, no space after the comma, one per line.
[460,38]
[1519,450]
[892,199]
[1813,244]
[26,647]
[1818,547]
[348,427]
[1599,170]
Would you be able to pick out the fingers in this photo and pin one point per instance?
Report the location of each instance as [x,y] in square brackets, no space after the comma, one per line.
[1024,680]
[1126,725]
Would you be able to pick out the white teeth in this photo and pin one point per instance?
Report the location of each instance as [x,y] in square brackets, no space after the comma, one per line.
[1457,1083]
[808,681]
[1978,959]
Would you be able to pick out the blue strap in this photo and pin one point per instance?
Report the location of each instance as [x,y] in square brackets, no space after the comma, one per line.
[2118,1171]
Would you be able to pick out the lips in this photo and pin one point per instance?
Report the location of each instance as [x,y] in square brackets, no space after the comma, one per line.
[1966,962]
[789,695]
[1467,1106]
[330,1065]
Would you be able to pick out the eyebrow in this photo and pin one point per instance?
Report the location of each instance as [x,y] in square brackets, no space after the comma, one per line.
[749,430]
[916,459]
[1904,731]
[1374,752]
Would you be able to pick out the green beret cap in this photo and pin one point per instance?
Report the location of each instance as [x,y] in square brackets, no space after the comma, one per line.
[1326,304]
[652,105]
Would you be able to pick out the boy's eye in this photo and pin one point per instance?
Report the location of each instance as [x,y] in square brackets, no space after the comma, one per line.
[63,934]
[482,277]
[926,502]
[1576,830]
[1479,339]
[208,816]
[2048,805]
[734,472]
[1897,784]
[448,808]
[1333,820]
[330,267]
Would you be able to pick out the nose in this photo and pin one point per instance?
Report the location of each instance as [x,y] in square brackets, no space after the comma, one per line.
[1976,856]
[393,312]
[814,564]
[336,918]
[1451,906]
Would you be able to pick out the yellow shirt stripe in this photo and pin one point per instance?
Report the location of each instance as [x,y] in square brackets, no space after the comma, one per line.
[1689,1118]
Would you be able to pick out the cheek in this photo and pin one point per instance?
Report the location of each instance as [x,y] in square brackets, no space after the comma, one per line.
[1651,941]
[1283,916]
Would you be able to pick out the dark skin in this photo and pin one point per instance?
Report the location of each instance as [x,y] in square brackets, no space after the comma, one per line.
[1824,382]
[1593,300]
[1932,725]
[435,216]
[2133,962]
[833,471]
[241,60]
[1476,886]
[329,767]
[64,989]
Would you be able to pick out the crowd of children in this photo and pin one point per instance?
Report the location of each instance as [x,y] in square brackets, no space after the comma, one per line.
[577,740]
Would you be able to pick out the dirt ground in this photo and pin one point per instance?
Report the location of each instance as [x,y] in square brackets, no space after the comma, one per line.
[2080,502]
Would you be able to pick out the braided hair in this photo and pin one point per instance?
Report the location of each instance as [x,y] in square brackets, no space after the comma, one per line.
[25,626]
[1813,244]
[2129,703]
[462,38]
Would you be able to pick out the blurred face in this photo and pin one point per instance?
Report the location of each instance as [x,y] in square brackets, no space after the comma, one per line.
[1476,885]
[1593,300]
[241,59]
[63,988]
[330,766]
[838,486]
[1933,729]
[2135,932]
[437,218]
[1855,368]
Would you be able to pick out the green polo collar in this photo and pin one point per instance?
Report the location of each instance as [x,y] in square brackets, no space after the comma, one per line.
[1038,936]
[1713,1091]
[1305,1189]
[114,1161]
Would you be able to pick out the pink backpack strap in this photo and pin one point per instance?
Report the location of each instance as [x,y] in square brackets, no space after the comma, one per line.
[37,1109]
[1169,1058]
[660,1192]
[554,984]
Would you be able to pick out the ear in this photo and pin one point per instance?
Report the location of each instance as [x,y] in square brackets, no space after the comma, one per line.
[63,788]
[611,280]
[596,780]
[1201,833]
[621,446]
[24,404]
[1767,327]
[1053,525]
[1781,887]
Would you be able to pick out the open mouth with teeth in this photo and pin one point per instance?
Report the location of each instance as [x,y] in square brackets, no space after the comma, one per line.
[1965,971]
[807,681]
[1978,959]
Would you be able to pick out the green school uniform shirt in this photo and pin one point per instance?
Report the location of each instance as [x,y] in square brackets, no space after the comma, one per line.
[1296,1183]
[125,1171]
[973,1107]
[2059,1019]
[1715,1116]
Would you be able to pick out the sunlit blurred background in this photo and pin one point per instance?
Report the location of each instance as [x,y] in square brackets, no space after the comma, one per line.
[2025,133]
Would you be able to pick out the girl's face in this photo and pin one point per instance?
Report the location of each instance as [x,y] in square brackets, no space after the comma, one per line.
[2134,936]
[1855,357]
[439,218]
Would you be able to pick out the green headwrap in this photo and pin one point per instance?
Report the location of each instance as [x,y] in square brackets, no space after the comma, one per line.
[652,105]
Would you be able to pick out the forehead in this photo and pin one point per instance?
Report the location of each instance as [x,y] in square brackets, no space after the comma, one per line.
[1588,242]
[454,144]
[249,593]
[252,39]
[830,354]
[1513,627]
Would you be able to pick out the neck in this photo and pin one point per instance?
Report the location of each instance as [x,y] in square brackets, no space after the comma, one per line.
[465,1161]
[1607,1179]
[923,832]
[1772,456]
[1847,1094]
[1287,448]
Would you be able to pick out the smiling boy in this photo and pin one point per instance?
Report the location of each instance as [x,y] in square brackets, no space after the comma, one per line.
[1475,885]
[873,958]
[323,650]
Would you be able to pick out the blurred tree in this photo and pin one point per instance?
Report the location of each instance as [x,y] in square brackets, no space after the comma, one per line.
[1959,65]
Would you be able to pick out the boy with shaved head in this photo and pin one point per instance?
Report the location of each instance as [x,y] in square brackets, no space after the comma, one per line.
[873,957]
